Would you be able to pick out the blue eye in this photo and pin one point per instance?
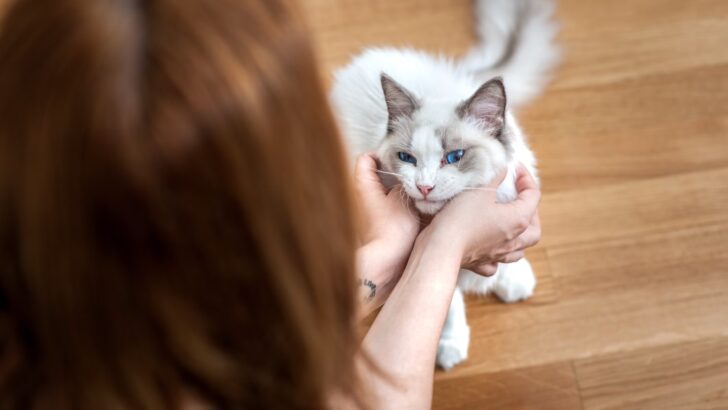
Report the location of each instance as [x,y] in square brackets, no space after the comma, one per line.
[454,156]
[403,156]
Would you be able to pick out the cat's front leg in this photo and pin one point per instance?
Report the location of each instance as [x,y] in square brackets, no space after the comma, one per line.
[455,337]
[516,281]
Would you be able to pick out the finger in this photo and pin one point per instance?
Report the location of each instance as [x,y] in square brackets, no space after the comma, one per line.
[536,220]
[367,179]
[488,269]
[495,182]
[525,181]
[533,233]
[513,257]
[530,236]
[398,194]
[529,194]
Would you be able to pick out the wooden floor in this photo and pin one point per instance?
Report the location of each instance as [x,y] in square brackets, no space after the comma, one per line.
[631,311]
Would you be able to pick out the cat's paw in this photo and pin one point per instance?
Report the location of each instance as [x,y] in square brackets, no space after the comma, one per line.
[452,351]
[516,282]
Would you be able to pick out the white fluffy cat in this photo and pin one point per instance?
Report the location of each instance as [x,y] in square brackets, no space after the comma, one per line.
[441,126]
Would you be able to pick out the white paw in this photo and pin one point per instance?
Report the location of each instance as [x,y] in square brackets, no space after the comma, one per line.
[452,351]
[473,283]
[516,282]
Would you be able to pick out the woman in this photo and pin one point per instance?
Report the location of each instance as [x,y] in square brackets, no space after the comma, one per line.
[177,227]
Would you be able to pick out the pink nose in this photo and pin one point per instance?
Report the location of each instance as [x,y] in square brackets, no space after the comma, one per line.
[425,189]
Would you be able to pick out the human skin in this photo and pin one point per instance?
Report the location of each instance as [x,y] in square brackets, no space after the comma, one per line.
[473,230]
[393,225]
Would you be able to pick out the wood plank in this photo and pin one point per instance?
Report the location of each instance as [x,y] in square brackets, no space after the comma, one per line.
[549,387]
[607,42]
[343,27]
[682,376]
[641,93]
[651,290]
[658,125]
[638,261]
[633,209]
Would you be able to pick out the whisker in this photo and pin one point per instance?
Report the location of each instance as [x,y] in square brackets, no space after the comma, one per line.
[480,189]
[374,180]
[390,173]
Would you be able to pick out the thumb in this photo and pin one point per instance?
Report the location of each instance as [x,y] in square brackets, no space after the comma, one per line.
[529,194]
[498,179]
[366,177]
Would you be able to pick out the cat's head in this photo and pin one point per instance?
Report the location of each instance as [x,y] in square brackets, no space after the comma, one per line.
[438,148]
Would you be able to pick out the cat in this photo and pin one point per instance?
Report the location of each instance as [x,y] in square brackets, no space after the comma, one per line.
[440,126]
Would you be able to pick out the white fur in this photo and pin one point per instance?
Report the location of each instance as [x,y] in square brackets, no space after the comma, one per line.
[358,100]
[527,70]
[440,85]
[455,337]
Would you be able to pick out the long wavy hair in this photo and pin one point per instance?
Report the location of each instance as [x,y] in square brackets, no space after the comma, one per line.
[175,214]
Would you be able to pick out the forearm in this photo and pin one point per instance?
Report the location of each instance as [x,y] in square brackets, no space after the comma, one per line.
[378,273]
[403,339]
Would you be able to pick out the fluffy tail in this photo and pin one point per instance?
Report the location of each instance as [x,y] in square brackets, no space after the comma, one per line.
[517,42]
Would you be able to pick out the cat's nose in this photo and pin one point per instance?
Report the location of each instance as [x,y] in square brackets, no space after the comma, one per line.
[425,189]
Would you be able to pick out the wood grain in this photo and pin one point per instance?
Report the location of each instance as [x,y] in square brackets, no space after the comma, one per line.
[632,138]
[344,27]
[657,125]
[657,205]
[549,387]
[609,42]
[621,294]
[682,376]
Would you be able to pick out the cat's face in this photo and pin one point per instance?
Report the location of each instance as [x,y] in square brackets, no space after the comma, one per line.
[437,149]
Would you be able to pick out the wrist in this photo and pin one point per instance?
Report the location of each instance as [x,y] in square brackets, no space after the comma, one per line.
[378,272]
[438,245]
[443,239]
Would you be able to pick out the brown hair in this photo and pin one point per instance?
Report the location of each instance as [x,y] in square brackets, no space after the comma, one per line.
[175,217]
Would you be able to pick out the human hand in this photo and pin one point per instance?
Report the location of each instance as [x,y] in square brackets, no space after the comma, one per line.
[391,227]
[487,232]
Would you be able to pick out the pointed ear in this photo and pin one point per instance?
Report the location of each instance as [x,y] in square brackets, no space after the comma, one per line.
[400,103]
[487,105]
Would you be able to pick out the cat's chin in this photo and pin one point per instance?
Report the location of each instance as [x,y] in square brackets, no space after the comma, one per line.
[429,207]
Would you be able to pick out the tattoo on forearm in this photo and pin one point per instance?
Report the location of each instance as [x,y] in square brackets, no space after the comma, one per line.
[372,288]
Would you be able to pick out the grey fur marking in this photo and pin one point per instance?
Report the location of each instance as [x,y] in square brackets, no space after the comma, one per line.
[400,103]
[488,105]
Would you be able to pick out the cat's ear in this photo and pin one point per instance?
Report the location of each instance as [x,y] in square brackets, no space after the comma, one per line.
[400,103]
[487,105]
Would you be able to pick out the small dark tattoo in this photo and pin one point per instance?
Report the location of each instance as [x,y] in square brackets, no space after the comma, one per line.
[372,288]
